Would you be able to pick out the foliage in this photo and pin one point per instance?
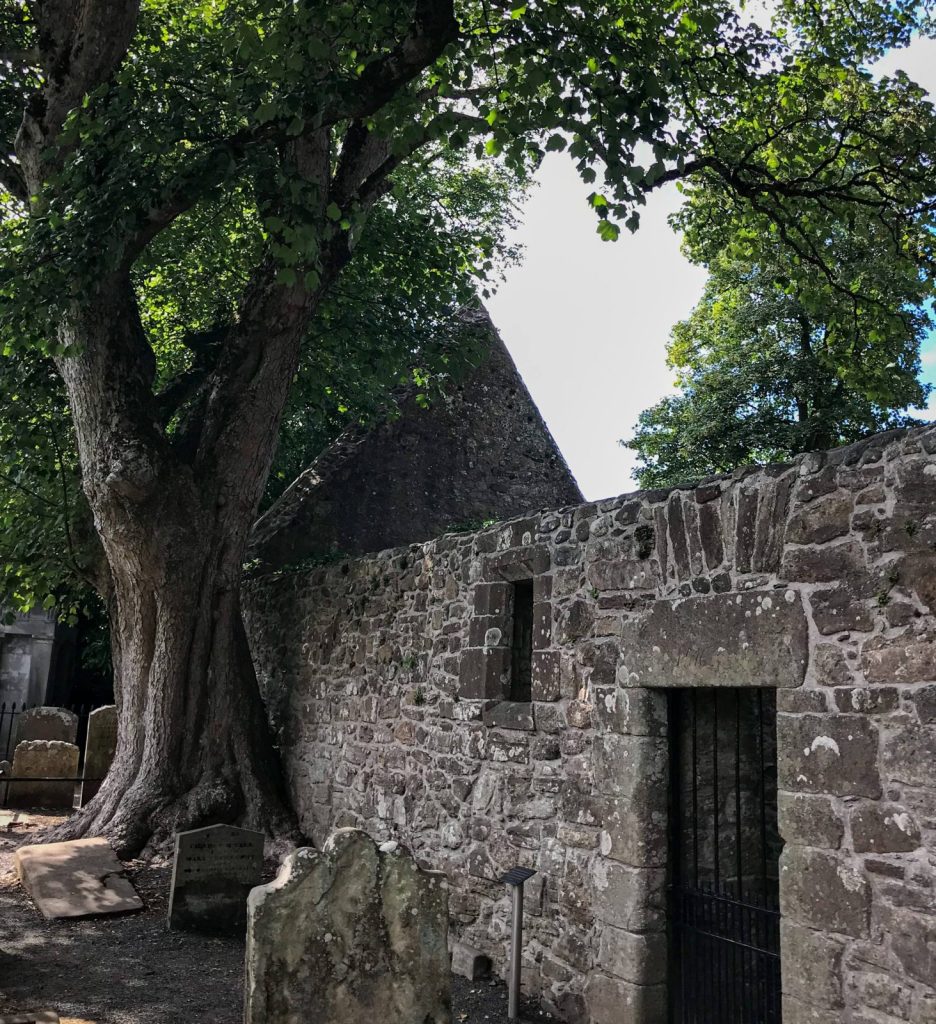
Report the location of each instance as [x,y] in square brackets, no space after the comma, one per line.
[47,546]
[190,152]
[761,370]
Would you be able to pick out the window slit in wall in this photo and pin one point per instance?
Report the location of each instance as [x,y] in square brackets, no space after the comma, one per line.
[521,662]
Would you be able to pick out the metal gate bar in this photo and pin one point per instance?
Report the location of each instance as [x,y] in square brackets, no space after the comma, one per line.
[723,900]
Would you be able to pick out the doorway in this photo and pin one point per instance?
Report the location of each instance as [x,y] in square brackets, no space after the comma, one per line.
[724,915]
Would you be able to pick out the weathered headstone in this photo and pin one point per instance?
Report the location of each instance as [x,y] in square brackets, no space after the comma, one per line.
[213,871]
[99,749]
[355,934]
[38,1017]
[77,879]
[47,724]
[41,760]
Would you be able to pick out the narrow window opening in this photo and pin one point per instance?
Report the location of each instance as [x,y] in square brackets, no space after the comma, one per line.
[521,662]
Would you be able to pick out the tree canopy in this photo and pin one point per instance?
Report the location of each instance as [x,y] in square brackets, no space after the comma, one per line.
[191,192]
[782,354]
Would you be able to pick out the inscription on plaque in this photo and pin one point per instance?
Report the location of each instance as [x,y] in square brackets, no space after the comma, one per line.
[213,870]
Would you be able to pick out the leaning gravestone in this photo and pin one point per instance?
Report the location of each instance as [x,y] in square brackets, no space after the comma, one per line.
[42,760]
[99,749]
[213,871]
[355,934]
[47,724]
[81,878]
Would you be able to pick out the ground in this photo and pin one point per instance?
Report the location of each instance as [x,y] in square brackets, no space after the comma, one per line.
[131,970]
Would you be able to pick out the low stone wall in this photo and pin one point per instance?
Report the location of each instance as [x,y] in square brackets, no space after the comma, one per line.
[385,679]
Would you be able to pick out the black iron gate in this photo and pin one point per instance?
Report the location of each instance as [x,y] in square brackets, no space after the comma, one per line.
[724,913]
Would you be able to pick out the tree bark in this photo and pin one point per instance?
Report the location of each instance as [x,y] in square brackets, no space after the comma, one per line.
[194,746]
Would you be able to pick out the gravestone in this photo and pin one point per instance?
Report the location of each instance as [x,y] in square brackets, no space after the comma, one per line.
[40,760]
[355,934]
[81,878]
[47,724]
[99,750]
[213,871]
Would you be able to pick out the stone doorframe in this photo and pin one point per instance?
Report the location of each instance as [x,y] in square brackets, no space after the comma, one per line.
[759,638]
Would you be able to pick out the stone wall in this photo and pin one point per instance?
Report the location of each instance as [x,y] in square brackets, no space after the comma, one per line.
[386,679]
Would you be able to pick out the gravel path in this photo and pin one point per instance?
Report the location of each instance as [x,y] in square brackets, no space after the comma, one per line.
[131,970]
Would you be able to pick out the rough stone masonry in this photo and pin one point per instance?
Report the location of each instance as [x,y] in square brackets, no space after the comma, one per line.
[386,679]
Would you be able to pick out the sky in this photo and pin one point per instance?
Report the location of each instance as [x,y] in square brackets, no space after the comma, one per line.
[587,321]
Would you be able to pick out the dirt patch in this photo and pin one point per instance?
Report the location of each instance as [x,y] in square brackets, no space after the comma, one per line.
[131,970]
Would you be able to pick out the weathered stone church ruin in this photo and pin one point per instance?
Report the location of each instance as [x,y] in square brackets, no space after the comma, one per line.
[705,716]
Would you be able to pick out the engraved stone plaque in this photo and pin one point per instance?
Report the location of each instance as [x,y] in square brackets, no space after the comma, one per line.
[213,870]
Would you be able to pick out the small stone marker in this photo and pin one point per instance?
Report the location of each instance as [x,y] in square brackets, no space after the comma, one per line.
[99,750]
[351,935]
[43,759]
[213,871]
[82,878]
[47,724]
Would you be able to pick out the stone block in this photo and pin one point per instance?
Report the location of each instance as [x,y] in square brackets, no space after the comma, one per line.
[823,564]
[44,759]
[811,965]
[509,714]
[100,747]
[909,752]
[840,610]
[904,659]
[47,724]
[639,958]
[877,991]
[213,870]
[824,891]
[575,621]
[810,821]
[492,598]
[353,935]
[613,1001]
[883,828]
[829,666]
[913,942]
[629,898]
[821,521]
[483,673]
[546,675]
[795,1011]
[863,700]
[82,878]
[630,711]
[828,754]
[718,640]
[470,963]
[925,702]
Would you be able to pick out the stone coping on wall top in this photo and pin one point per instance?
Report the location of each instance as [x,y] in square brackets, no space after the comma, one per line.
[868,450]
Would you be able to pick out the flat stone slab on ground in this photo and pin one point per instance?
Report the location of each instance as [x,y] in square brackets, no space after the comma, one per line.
[82,878]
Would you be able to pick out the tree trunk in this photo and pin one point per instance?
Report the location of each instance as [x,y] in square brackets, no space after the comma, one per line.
[194,745]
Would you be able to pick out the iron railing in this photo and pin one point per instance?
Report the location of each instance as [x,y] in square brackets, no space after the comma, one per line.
[724,916]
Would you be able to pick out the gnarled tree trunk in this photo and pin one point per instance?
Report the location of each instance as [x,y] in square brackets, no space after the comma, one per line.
[174,514]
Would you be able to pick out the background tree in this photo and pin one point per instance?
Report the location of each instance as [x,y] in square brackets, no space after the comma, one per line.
[780,356]
[756,384]
[131,127]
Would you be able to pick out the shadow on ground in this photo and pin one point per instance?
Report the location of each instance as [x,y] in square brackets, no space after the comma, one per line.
[130,970]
